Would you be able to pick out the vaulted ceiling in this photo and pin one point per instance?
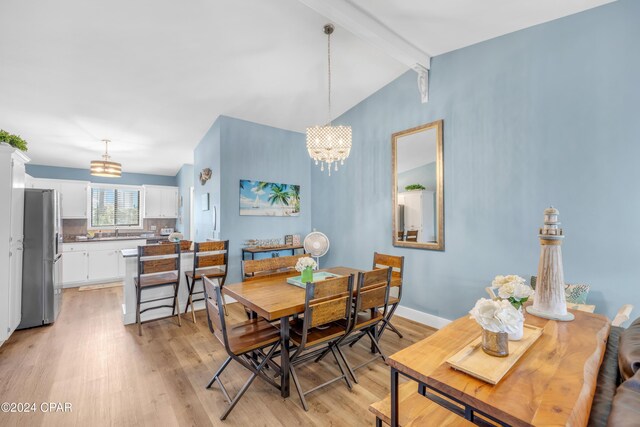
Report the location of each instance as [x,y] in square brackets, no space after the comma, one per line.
[152,75]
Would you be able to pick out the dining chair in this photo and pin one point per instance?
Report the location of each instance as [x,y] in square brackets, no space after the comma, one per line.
[210,259]
[412,236]
[397,275]
[158,266]
[261,268]
[371,307]
[400,235]
[185,245]
[244,342]
[268,267]
[327,318]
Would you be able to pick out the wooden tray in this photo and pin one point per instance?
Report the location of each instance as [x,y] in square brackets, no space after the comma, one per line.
[475,362]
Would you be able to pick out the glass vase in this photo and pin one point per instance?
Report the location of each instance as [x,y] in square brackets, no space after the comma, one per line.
[307,275]
[495,343]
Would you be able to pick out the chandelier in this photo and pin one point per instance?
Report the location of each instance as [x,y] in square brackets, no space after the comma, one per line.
[329,144]
[106,167]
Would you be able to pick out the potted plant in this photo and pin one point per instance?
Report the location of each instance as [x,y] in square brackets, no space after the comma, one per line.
[414,187]
[498,319]
[306,265]
[513,288]
[13,140]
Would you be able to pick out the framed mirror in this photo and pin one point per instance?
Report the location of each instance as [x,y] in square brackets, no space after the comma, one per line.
[418,187]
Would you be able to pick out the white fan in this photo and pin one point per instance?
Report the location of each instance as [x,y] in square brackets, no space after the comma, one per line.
[316,244]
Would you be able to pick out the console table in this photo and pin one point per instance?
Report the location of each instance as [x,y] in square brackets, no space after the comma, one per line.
[553,383]
[252,251]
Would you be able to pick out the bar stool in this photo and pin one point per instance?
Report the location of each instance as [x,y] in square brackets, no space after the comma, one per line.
[210,259]
[158,266]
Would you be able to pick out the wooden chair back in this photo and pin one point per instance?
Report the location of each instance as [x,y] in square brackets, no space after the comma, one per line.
[211,254]
[215,312]
[395,262]
[400,235]
[327,301]
[270,266]
[373,289]
[412,236]
[185,245]
[155,259]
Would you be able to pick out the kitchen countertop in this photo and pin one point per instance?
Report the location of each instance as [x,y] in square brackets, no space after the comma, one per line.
[111,239]
[130,253]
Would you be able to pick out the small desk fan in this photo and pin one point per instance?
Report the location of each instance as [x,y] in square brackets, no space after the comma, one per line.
[316,244]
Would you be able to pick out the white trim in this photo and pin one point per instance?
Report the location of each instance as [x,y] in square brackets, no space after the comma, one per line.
[422,317]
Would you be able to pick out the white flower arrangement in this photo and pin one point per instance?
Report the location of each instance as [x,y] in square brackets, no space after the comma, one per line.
[497,316]
[513,289]
[305,262]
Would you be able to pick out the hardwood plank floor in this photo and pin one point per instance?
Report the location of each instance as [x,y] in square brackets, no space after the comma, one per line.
[111,376]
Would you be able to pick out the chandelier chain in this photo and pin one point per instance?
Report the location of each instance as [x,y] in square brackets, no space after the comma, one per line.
[329,75]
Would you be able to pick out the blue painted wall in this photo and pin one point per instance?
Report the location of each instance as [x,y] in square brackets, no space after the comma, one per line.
[54,172]
[262,153]
[544,116]
[207,155]
[184,181]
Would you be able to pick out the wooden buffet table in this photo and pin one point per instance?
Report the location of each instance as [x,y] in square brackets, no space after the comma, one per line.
[253,250]
[274,299]
[552,384]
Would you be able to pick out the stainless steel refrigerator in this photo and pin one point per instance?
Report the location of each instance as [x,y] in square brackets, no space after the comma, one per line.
[42,261]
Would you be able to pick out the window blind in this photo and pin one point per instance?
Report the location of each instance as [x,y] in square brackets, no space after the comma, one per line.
[114,207]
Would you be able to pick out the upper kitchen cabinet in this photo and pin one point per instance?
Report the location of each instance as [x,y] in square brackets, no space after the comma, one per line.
[160,201]
[73,195]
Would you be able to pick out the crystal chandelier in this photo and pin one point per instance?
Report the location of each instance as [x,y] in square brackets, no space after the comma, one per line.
[329,144]
[106,167]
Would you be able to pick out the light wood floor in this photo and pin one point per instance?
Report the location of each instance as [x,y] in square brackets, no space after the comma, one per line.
[111,376]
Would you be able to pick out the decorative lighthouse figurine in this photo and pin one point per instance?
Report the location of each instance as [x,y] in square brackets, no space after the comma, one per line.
[550,302]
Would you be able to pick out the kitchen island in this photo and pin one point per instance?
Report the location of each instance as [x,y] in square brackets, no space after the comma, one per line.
[129,304]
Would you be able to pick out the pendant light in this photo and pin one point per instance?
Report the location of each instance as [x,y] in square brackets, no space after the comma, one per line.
[106,167]
[329,144]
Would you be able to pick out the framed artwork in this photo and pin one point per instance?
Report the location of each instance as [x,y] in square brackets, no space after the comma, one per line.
[204,201]
[260,198]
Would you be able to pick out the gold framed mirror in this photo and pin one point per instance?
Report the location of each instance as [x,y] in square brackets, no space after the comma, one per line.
[418,187]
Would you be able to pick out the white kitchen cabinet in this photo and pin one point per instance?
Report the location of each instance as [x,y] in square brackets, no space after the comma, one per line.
[72,193]
[74,199]
[160,201]
[12,182]
[419,213]
[95,262]
[75,267]
[103,265]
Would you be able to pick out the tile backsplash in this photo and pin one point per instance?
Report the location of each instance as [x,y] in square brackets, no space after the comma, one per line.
[78,227]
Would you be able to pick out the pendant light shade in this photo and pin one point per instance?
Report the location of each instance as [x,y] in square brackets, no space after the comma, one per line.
[329,144]
[105,167]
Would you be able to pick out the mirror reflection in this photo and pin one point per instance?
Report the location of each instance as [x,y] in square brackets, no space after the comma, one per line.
[418,187]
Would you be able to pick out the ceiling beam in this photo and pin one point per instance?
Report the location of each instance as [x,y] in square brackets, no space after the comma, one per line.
[366,27]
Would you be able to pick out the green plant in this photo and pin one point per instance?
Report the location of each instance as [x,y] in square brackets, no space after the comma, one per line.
[13,140]
[415,187]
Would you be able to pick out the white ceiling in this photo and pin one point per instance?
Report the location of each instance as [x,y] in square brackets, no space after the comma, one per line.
[153,75]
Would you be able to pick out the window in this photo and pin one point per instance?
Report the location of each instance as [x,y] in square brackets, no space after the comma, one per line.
[115,207]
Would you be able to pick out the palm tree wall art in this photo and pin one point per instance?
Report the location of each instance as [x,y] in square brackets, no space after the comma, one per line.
[263,198]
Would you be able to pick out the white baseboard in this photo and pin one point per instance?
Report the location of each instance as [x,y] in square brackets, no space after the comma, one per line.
[422,317]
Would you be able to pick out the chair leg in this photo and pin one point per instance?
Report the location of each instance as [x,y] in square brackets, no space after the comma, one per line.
[189,288]
[176,302]
[374,343]
[393,328]
[296,381]
[219,372]
[387,322]
[356,340]
[138,299]
[193,313]
[344,359]
[346,377]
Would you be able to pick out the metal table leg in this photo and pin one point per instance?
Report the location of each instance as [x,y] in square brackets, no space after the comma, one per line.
[394,397]
[284,357]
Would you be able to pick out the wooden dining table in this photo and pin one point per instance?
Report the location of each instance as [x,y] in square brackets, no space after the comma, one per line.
[275,299]
[553,383]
